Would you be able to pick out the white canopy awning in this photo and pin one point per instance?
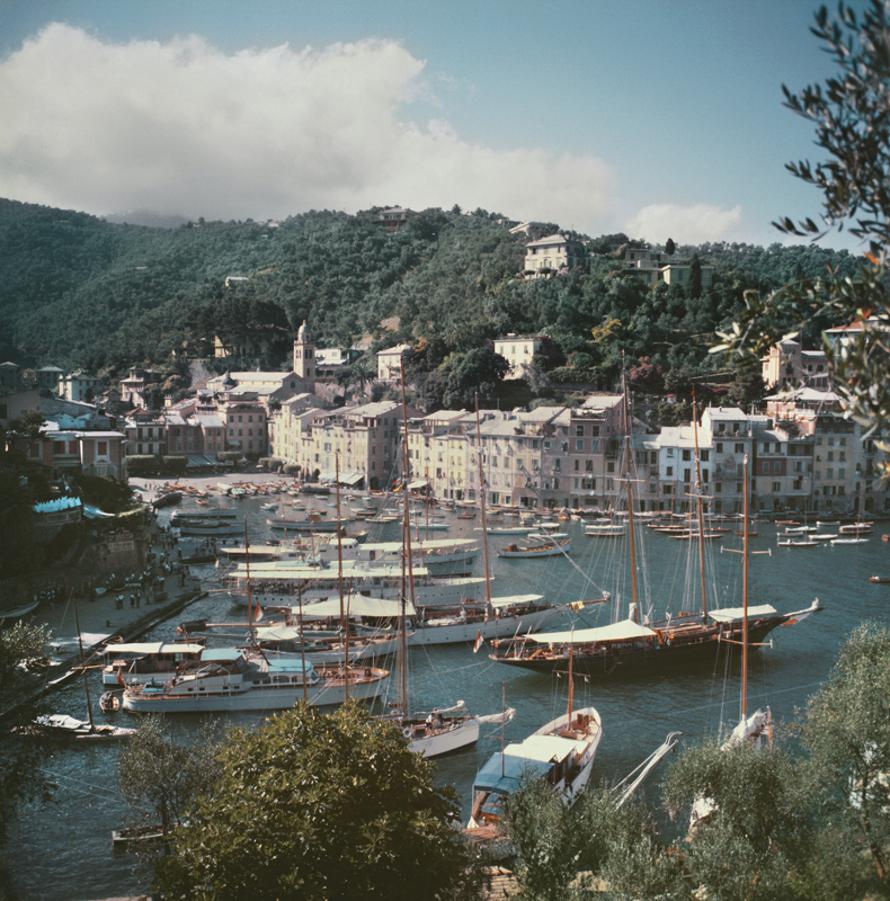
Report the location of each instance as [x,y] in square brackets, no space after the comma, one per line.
[154,647]
[737,614]
[417,484]
[357,605]
[351,478]
[624,630]
[513,600]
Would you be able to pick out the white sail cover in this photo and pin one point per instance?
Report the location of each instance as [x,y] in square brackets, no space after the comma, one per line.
[624,630]
[736,614]
[356,605]
[515,600]
[154,647]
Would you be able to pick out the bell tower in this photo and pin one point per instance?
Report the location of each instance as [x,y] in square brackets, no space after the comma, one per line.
[304,355]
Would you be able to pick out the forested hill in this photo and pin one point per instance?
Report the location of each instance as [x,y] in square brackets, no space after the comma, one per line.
[79,291]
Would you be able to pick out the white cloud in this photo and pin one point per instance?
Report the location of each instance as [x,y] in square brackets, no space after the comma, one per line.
[183,127]
[692,224]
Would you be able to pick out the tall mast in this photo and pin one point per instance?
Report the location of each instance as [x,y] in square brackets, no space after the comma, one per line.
[407,563]
[571,682]
[482,485]
[635,607]
[344,625]
[250,629]
[745,590]
[700,514]
[83,669]
[302,644]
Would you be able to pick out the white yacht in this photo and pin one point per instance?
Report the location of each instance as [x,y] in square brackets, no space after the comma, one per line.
[231,679]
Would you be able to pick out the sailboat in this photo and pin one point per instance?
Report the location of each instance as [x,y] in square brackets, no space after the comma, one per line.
[442,730]
[249,678]
[630,646]
[60,726]
[561,752]
[756,729]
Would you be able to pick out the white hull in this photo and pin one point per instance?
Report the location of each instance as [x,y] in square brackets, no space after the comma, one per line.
[262,698]
[465,734]
[494,627]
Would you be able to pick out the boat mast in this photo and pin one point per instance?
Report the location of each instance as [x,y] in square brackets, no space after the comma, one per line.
[83,668]
[407,564]
[344,626]
[635,607]
[700,513]
[250,630]
[744,702]
[571,682]
[482,485]
[302,644]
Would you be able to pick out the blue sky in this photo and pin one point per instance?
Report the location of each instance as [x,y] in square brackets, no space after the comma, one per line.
[601,115]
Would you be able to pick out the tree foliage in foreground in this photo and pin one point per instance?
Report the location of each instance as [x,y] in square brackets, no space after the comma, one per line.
[851,117]
[320,806]
[161,777]
[788,823]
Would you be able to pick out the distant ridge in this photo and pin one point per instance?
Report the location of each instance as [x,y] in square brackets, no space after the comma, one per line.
[146,217]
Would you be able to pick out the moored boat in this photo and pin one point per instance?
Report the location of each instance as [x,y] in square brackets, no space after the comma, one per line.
[232,679]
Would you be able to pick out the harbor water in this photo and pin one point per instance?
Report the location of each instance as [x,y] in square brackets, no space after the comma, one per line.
[62,849]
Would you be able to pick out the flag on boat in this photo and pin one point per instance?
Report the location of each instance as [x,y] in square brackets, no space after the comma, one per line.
[576,605]
[790,622]
[478,642]
[119,678]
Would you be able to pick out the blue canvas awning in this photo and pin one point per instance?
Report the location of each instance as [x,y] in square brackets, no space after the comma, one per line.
[503,773]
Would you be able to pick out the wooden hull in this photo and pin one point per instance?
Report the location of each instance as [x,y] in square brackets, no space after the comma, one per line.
[649,657]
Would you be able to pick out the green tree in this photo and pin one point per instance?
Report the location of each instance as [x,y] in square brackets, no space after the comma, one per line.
[847,733]
[314,806]
[670,247]
[750,845]
[852,129]
[22,657]
[747,384]
[161,778]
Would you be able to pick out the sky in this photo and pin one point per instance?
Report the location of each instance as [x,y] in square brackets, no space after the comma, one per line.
[654,118]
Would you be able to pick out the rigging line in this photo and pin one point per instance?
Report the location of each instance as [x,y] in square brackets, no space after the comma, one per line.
[667,713]
[96,788]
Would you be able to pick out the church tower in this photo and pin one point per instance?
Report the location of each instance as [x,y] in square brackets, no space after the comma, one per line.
[304,355]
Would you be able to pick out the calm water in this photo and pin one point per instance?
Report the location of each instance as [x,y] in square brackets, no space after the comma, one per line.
[66,844]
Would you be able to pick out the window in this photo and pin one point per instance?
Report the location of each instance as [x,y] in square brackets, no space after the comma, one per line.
[666,489]
[610,466]
[686,455]
[579,430]
[577,465]
[669,471]
[719,447]
[739,448]
[102,448]
[588,465]
[705,454]
[777,486]
[670,452]
[718,487]
[579,444]
[686,474]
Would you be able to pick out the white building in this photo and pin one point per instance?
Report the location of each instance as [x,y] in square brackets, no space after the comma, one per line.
[518,351]
[389,363]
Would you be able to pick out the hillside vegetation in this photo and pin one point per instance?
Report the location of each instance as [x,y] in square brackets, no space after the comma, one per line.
[79,291]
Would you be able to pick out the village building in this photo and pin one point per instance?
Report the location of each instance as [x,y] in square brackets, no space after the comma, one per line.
[518,351]
[389,363]
[654,268]
[787,365]
[78,386]
[10,377]
[551,255]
